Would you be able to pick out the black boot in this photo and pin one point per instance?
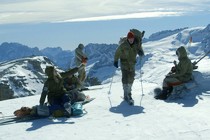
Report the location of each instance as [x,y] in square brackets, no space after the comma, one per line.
[130,99]
[129,96]
[67,107]
[163,95]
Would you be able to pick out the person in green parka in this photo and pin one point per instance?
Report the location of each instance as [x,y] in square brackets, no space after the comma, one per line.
[179,74]
[127,51]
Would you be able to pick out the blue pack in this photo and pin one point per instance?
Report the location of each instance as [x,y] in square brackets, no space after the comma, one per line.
[77,109]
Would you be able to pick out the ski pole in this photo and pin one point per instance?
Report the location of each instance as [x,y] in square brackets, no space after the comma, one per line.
[142,90]
[109,92]
[196,62]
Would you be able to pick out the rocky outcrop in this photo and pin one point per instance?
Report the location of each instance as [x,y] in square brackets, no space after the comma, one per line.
[22,77]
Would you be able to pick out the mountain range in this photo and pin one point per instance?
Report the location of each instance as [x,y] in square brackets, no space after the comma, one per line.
[21,66]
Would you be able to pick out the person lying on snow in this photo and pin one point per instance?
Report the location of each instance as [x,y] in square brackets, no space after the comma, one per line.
[179,74]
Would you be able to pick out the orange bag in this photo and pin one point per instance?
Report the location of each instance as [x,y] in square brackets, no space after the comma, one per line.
[24,111]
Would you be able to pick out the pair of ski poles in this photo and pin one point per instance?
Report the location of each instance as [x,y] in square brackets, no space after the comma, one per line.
[142,91]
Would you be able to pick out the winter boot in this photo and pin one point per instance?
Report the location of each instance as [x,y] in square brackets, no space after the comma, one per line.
[125,88]
[130,99]
[127,94]
[67,107]
[164,94]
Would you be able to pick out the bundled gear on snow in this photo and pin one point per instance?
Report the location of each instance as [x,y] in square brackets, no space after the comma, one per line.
[127,51]
[23,111]
[39,112]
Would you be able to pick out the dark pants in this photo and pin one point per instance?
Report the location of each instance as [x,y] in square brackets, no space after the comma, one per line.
[58,103]
[127,76]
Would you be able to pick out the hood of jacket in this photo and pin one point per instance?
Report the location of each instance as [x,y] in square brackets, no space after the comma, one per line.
[181,52]
[49,71]
[81,46]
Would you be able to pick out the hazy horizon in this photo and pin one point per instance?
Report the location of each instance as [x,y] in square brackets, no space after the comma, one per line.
[65,24]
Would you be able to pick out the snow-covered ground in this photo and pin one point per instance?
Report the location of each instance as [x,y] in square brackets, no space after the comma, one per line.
[109,118]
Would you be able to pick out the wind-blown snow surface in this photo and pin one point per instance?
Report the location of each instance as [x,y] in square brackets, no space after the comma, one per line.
[112,119]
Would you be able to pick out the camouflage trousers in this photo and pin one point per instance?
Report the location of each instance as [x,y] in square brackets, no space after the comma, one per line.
[127,76]
[127,81]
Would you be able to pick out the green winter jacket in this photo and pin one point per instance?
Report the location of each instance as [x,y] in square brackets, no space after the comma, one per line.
[127,54]
[54,88]
[184,68]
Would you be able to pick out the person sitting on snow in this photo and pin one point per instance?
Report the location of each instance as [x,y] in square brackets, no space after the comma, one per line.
[180,73]
[54,90]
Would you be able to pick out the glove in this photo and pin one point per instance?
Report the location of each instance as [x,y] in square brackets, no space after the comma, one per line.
[173,69]
[194,63]
[141,53]
[116,64]
[175,63]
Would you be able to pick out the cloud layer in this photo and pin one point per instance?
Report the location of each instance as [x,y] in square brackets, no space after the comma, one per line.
[35,11]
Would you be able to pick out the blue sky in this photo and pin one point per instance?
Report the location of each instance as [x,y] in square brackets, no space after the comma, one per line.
[66,23]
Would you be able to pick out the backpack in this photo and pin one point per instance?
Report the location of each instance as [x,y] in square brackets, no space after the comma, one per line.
[77,109]
[138,35]
[22,112]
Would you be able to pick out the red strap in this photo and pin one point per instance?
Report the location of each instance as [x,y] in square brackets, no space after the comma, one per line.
[174,84]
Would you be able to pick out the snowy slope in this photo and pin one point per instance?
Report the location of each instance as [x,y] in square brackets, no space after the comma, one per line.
[112,119]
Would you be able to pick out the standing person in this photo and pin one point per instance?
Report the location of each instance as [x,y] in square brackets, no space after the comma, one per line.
[180,73]
[81,57]
[127,52]
[54,89]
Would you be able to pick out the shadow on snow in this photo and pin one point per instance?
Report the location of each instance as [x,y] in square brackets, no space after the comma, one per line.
[37,124]
[126,110]
[193,96]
